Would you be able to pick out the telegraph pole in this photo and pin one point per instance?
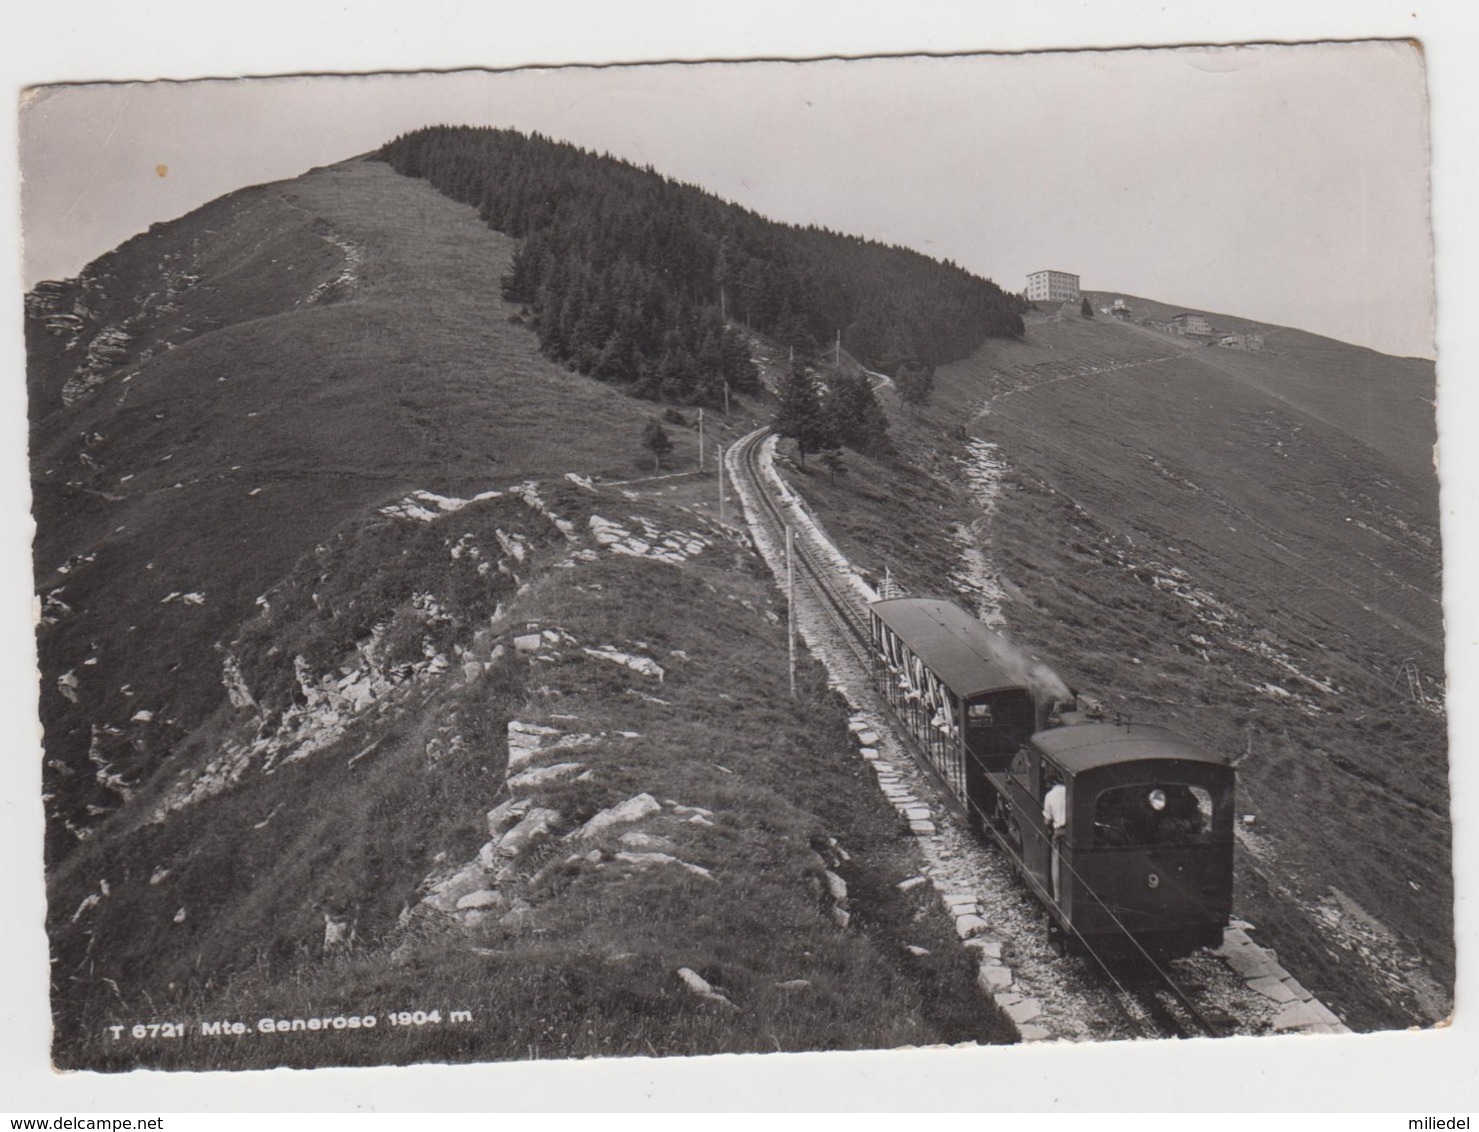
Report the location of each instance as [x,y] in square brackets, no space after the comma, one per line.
[791,610]
[721,484]
[700,440]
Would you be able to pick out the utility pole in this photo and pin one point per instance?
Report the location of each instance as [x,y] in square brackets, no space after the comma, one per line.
[726,398]
[700,440]
[721,485]
[837,352]
[791,610]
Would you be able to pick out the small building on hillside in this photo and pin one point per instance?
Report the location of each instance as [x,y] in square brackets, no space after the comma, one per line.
[1120,309]
[1237,341]
[1052,287]
[1193,324]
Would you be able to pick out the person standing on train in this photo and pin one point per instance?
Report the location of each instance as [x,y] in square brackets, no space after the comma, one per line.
[1055,817]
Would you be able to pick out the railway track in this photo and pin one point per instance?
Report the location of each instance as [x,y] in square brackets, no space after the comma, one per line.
[1148,999]
[841,606]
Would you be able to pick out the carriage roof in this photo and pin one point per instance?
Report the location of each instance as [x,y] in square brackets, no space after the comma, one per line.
[963,654]
[1089,746]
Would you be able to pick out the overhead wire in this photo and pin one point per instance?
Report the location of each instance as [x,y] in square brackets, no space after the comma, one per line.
[1099,959]
[852,623]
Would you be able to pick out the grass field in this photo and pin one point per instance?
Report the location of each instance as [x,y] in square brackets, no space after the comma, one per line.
[275,428]
[1241,547]
[277,691]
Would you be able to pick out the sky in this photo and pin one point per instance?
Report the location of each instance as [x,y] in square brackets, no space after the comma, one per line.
[1278,183]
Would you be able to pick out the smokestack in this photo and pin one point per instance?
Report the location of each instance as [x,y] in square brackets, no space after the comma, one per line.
[1043,710]
[1048,690]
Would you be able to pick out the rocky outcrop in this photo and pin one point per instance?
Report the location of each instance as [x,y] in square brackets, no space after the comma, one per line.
[105,351]
[634,809]
[544,775]
[445,894]
[697,985]
[639,664]
[536,824]
[655,542]
[373,676]
[237,692]
[342,284]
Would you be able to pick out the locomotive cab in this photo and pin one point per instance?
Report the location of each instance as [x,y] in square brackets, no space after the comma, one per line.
[1147,849]
[996,722]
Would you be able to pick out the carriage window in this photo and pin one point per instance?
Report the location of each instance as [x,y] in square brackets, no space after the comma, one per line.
[979,714]
[1152,815]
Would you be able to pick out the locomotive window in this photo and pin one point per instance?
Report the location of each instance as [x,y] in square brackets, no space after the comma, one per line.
[1151,815]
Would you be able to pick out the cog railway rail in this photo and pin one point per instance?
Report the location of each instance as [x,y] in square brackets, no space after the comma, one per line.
[1143,992]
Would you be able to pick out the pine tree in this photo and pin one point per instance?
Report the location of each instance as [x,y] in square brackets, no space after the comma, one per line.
[854,416]
[520,285]
[1087,309]
[656,440]
[648,385]
[916,381]
[799,416]
[675,370]
[790,330]
[709,386]
[618,361]
[740,372]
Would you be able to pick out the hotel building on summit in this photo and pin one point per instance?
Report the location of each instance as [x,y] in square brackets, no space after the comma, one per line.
[1052,287]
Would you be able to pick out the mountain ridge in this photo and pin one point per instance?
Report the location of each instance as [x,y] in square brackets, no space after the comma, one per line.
[232,573]
[1383,400]
[288,703]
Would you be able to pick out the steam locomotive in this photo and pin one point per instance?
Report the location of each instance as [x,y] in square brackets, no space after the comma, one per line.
[1136,851]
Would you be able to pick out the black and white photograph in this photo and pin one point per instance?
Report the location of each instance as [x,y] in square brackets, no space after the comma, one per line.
[771,557]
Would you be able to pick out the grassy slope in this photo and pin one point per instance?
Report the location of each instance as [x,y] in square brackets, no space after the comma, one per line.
[1382,401]
[1316,546]
[592,969]
[412,377]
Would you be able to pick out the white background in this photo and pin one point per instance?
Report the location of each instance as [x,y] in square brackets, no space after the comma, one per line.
[1433,1072]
